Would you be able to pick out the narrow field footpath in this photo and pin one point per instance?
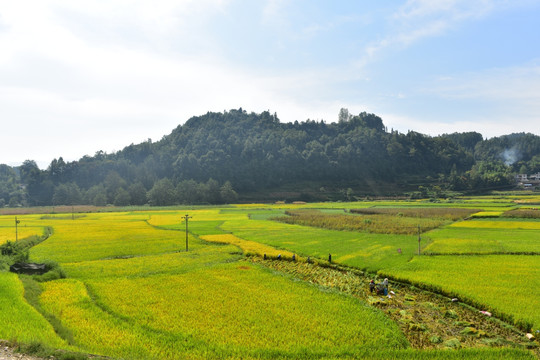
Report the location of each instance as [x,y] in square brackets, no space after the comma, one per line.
[7,352]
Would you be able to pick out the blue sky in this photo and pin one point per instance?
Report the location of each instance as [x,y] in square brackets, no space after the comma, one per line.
[78,77]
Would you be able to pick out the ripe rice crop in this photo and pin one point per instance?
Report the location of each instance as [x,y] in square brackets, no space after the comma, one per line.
[27,227]
[487,214]
[134,293]
[202,222]
[416,212]
[470,240]
[505,224]
[237,310]
[8,233]
[20,321]
[171,263]
[506,285]
[363,250]
[248,247]
[101,236]
[379,224]
[533,213]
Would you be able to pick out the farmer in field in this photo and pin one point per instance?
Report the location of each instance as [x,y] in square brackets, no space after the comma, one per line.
[385,286]
[382,287]
[371,286]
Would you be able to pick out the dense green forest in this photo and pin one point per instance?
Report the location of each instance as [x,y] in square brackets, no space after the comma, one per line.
[240,156]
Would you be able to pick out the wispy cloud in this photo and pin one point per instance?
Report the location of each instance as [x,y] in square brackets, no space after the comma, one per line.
[493,102]
[518,82]
[514,92]
[421,19]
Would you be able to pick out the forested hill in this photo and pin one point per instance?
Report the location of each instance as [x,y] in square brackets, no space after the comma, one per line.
[236,155]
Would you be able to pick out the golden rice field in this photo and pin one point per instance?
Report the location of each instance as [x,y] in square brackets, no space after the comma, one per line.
[106,235]
[498,224]
[20,321]
[24,229]
[133,292]
[248,247]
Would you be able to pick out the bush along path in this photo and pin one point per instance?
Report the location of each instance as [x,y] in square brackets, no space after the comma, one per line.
[428,320]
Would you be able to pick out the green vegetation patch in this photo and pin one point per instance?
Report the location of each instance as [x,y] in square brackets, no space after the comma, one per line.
[506,285]
[236,310]
[467,240]
[363,250]
[20,321]
[378,224]
[531,213]
[447,213]
[102,236]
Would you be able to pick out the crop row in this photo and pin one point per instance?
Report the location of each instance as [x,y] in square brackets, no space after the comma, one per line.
[418,212]
[379,224]
[506,285]
[234,310]
[19,321]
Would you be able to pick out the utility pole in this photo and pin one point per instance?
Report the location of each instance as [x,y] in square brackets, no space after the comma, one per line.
[418,239]
[16,229]
[187,217]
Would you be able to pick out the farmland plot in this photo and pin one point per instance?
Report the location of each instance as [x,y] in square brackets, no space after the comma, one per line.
[194,304]
[102,236]
[133,292]
[18,319]
[484,240]
[507,285]
[25,228]
[362,250]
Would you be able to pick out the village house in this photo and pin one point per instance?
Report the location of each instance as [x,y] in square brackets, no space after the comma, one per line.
[528,181]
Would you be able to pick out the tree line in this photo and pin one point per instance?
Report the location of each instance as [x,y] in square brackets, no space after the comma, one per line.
[240,156]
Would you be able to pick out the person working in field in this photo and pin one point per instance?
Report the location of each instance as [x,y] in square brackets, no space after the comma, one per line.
[382,288]
[371,286]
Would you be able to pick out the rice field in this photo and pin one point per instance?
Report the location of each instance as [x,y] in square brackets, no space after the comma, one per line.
[470,240]
[24,229]
[103,236]
[372,223]
[133,292]
[362,250]
[506,285]
[20,321]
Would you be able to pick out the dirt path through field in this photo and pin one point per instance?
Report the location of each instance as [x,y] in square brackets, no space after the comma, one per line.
[8,353]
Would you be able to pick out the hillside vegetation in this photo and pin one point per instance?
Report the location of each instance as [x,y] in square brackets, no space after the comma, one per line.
[235,155]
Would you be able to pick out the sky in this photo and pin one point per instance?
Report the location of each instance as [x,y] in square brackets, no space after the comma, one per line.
[78,77]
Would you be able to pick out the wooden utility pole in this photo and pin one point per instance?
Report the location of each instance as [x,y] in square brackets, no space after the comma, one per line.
[418,239]
[16,229]
[187,217]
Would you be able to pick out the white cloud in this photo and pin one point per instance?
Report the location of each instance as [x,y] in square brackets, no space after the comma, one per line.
[98,76]
[521,83]
[493,102]
[420,19]
[78,96]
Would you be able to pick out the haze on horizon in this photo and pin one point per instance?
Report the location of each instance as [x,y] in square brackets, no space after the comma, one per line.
[76,78]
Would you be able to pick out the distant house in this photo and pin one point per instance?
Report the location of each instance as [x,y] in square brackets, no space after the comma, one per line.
[535,177]
[521,178]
